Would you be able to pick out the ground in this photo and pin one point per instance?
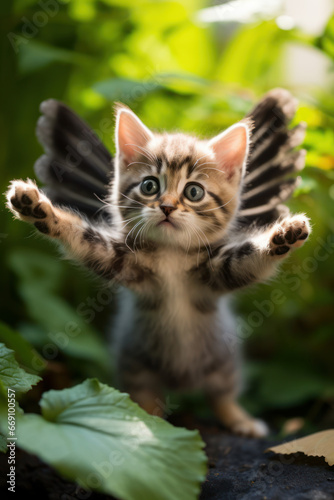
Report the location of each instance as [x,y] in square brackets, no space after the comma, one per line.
[239,469]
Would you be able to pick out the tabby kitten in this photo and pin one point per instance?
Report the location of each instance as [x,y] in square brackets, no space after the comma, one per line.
[175,249]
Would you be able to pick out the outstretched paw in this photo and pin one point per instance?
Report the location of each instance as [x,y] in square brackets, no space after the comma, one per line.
[289,234]
[27,203]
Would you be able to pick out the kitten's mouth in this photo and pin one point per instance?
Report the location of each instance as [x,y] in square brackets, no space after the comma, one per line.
[166,223]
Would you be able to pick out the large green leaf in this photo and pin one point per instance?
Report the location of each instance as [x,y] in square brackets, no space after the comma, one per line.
[12,375]
[25,354]
[97,436]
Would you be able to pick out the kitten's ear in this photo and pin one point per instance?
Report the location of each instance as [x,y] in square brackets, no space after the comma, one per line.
[231,149]
[131,135]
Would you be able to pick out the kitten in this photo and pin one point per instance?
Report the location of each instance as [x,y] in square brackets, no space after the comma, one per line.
[176,250]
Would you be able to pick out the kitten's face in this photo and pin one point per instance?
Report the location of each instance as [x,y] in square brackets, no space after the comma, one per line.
[175,189]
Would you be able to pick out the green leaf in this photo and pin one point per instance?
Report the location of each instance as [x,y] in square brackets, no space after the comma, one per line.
[326,41]
[97,436]
[183,83]
[35,56]
[5,396]
[125,89]
[238,63]
[285,385]
[11,375]
[25,354]
[67,328]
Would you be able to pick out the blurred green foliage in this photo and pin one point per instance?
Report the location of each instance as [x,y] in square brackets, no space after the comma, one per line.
[176,74]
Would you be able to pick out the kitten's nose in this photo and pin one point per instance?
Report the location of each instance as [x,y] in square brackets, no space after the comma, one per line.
[167,208]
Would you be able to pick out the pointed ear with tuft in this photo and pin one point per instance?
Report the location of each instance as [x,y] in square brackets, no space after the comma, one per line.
[231,150]
[131,135]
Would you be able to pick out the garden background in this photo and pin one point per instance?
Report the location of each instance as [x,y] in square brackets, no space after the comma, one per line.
[179,66]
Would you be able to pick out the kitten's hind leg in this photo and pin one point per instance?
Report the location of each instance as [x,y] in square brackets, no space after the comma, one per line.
[143,388]
[221,389]
[231,415]
[149,400]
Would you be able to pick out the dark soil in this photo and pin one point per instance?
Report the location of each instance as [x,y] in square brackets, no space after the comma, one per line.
[238,470]
[241,470]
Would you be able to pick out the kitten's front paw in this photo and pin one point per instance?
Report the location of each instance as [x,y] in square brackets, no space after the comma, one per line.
[27,203]
[289,234]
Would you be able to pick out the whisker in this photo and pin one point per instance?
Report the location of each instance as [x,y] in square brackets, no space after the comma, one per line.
[204,235]
[208,163]
[208,243]
[198,239]
[128,221]
[141,163]
[151,155]
[185,227]
[104,202]
[124,206]
[221,206]
[193,166]
[100,210]
[134,227]
[209,221]
[131,199]
[138,233]
[207,246]
[212,168]
[111,204]
[142,232]
[100,199]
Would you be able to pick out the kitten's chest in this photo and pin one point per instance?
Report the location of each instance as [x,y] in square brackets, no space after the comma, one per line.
[174,291]
[170,270]
[173,315]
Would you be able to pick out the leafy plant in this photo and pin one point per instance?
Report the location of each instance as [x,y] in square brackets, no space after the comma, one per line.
[98,437]
[176,74]
[12,375]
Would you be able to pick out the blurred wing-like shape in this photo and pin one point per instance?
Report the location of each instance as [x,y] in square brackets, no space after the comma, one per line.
[76,167]
[268,182]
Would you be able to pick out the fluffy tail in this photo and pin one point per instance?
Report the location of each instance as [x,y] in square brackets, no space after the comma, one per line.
[77,168]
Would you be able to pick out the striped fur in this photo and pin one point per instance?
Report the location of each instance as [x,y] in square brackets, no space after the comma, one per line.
[176,259]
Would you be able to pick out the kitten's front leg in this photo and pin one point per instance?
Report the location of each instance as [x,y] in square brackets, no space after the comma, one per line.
[90,245]
[255,259]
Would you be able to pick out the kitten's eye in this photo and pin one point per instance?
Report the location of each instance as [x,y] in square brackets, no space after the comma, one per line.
[150,186]
[194,192]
